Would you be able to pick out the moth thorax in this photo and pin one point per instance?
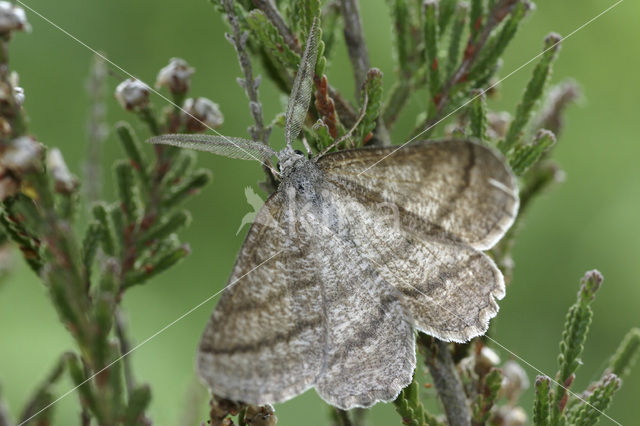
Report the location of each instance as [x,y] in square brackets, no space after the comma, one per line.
[289,159]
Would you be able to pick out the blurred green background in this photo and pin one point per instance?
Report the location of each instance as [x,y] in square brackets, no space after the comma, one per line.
[590,221]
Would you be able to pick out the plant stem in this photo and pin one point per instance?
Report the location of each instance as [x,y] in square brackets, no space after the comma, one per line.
[96,130]
[258,131]
[341,417]
[445,377]
[5,420]
[355,42]
[125,347]
[276,19]
[357,47]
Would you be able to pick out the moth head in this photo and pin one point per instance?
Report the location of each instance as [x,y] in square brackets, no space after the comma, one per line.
[289,159]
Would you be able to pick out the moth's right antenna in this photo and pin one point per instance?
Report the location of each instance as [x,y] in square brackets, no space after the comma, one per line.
[239,148]
[302,86]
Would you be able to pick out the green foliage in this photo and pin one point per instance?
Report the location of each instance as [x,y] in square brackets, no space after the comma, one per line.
[372,90]
[478,116]
[85,390]
[305,11]
[532,93]
[43,396]
[481,409]
[410,408]
[589,412]
[405,50]
[526,155]
[106,230]
[542,401]
[400,10]
[186,188]
[476,17]
[165,227]
[331,26]
[158,263]
[125,243]
[269,37]
[128,191]
[553,407]
[138,403]
[459,23]
[321,60]
[497,43]
[28,243]
[577,326]
[446,10]
[183,166]
[572,344]
[431,49]
[90,246]
[133,149]
[626,355]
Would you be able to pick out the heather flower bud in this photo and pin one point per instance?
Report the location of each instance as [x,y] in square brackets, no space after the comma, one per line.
[514,380]
[17,91]
[64,181]
[18,94]
[22,155]
[498,124]
[510,416]
[486,360]
[176,76]
[261,416]
[12,18]
[200,114]
[132,94]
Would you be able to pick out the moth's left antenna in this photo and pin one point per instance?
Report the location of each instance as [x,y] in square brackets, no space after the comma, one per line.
[302,86]
[226,146]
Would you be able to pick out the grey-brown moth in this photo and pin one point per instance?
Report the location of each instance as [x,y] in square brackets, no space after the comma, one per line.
[345,261]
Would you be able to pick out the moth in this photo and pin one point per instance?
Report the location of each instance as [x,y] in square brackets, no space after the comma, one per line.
[345,261]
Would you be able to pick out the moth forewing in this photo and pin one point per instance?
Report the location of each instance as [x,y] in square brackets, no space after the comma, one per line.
[458,189]
[231,147]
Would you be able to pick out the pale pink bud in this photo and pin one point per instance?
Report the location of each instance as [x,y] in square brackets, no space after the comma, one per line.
[22,155]
[176,76]
[12,18]
[64,181]
[200,114]
[132,94]
[514,380]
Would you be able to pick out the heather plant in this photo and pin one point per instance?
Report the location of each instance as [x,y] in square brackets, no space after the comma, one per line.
[448,52]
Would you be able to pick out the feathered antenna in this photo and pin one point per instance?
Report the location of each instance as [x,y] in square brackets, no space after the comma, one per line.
[245,149]
[302,86]
[231,147]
